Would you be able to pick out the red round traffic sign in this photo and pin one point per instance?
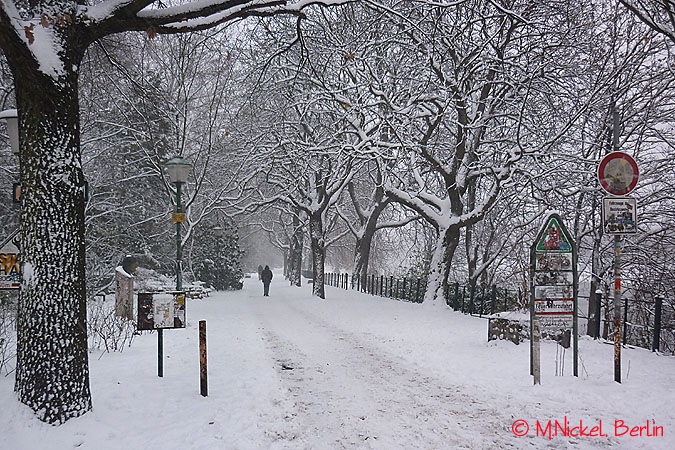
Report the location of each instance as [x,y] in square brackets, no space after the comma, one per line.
[618,173]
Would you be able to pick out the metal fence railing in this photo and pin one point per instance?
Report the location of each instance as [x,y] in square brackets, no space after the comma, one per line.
[647,324]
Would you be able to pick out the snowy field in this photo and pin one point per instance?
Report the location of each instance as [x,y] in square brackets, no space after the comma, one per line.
[290,371]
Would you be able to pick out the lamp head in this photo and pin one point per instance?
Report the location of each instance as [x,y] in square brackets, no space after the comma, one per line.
[178,169]
[12,118]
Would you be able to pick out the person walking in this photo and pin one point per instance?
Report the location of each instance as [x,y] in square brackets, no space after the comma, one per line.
[266,277]
[260,269]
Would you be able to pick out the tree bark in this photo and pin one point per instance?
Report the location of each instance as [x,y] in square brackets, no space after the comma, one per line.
[363,245]
[437,292]
[297,238]
[318,253]
[52,375]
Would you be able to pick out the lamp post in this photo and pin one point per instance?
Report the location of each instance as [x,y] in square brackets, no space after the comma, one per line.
[178,169]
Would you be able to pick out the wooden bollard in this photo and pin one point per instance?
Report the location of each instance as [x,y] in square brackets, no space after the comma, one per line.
[203,382]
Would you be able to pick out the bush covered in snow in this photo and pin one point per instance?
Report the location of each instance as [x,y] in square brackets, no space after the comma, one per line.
[216,258]
[105,330]
[7,332]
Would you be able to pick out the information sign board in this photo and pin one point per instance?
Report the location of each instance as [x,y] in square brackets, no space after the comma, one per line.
[553,301]
[553,304]
[619,215]
[159,310]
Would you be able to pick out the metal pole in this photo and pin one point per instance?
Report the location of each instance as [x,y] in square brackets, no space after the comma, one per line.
[536,352]
[596,319]
[656,344]
[617,265]
[160,352]
[617,308]
[625,319]
[179,245]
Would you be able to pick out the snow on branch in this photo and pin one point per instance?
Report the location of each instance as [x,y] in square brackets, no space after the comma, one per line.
[138,15]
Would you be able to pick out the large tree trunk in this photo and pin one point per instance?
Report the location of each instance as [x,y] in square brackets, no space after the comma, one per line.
[437,289]
[361,260]
[297,238]
[364,244]
[318,253]
[52,375]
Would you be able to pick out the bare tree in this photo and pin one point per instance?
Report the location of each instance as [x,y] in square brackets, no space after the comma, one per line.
[659,15]
[44,43]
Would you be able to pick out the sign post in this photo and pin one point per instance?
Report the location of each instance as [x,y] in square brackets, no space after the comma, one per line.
[553,305]
[618,175]
[157,311]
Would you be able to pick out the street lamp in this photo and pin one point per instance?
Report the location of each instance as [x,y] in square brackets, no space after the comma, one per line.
[12,119]
[178,169]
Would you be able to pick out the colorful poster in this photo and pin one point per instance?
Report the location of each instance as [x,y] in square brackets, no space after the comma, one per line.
[10,269]
[162,310]
[619,215]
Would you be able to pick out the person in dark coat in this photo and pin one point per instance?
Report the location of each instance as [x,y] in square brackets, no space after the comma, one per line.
[260,269]
[266,277]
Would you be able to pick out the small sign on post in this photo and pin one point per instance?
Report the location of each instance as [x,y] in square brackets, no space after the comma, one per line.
[619,215]
[10,271]
[159,310]
[618,174]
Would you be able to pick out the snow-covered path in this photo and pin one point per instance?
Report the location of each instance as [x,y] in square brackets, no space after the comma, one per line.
[343,392]
[291,371]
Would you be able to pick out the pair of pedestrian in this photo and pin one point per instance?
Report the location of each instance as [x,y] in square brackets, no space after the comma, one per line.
[266,278]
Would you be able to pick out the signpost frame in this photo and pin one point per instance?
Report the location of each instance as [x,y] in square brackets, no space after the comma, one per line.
[556,273]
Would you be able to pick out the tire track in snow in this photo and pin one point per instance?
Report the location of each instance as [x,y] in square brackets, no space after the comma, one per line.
[343,393]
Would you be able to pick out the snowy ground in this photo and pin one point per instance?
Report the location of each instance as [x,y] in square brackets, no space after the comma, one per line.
[290,371]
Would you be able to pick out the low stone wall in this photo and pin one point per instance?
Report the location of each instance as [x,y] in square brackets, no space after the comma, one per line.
[518,330]
[515,331]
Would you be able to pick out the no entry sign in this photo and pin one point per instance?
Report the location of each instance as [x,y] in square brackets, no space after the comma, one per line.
[618,173]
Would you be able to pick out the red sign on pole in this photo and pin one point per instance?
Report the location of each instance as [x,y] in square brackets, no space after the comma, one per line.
[618,173]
